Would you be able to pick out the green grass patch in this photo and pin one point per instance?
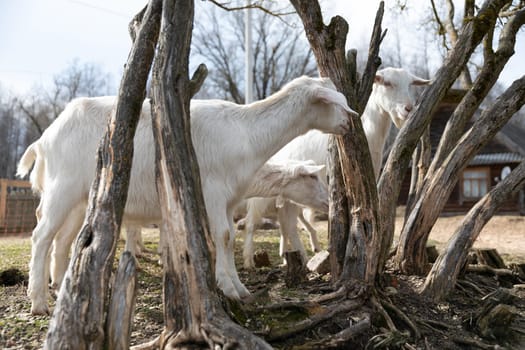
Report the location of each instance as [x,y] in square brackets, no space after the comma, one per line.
[15,253]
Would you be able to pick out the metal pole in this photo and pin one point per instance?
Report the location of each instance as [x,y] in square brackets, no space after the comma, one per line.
[248,76]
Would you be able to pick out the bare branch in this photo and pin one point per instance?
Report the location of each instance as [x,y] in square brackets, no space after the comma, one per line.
[441,27]
[506,12]
[134,25]
[373,61]
[31,117]
[254,5]
[198,78]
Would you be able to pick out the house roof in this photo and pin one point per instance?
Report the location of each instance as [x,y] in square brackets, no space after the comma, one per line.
[512,136]
[496,158]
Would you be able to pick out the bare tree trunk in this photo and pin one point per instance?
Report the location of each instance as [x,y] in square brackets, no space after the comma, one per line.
[420,164]
[122,304]
[448,27]
[193,313]
[338,217]
[328,45]
[78,321]
[494,62]
[410,257]
[393,173]
[444,273]
[424,216]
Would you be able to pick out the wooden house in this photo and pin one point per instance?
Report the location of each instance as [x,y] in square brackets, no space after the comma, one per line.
[495,161]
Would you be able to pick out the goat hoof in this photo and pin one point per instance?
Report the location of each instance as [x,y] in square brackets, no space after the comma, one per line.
[39,310]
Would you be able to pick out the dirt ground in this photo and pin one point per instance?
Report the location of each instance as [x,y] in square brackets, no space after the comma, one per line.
[441,324]
[505,233]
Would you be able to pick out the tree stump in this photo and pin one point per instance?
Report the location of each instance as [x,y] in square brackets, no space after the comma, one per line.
[493,319]
[489,257]
[261,259]
[295,269]
[496,323]
[319,263]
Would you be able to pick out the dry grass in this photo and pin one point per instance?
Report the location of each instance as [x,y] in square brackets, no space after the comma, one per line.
[20,330]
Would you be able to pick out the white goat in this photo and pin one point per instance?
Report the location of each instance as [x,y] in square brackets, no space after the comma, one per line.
[297,181]
[309,190]
[224,136]
[391,100]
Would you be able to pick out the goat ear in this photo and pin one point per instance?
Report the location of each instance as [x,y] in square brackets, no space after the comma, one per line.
[417,81]
[330,96]
[379,79]
[311,169]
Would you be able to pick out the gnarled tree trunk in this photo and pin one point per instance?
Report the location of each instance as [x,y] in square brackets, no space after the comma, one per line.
[79,318]
[410,256]
[193,313]
[397,163]
[356,220]
[444,273]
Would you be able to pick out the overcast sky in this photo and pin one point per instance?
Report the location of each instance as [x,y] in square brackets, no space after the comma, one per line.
[39,39]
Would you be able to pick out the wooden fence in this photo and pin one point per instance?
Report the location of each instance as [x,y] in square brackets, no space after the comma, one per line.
[17,207]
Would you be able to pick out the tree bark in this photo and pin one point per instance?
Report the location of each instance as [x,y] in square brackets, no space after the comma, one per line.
[415,235]
[81,309]
[193,313]
[393,173]
[494,62]
[338,218]
[328,45]
[444,273]
[410,256]
[420,164]
[122,304]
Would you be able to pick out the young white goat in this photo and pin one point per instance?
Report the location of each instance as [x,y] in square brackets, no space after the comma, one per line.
[224,136]
[309,190]
[391,100]
[297,181]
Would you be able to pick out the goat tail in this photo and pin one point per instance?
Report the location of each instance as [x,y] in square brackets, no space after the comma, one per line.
[29,158]
[26,162]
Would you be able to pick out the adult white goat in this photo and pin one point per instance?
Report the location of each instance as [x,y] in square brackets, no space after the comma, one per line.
[391,100]
[225,135]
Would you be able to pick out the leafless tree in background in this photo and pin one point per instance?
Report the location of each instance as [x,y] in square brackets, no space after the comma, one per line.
[43,105]
[280,52]
[12,135]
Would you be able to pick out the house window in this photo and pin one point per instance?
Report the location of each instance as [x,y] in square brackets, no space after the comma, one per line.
[475,183]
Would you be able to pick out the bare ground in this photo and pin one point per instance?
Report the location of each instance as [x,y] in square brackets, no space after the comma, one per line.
[506,233]
[442,325]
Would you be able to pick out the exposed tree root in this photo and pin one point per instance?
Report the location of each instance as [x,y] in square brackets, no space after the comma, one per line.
[465,283]
[386,317]
[402,316]
[432,324]
[153,344]
[474,342]
[489,269]
[339,339]
[343,292]
[208,335]
[388,339]
[326,313]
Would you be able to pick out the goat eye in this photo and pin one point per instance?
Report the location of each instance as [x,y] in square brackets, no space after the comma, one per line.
[313,176]
[388,84]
